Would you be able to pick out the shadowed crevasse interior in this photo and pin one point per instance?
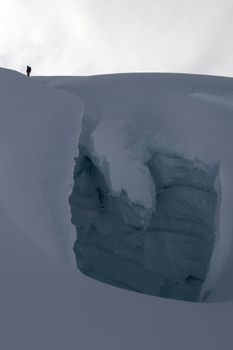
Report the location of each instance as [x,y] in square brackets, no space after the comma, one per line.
[171,256]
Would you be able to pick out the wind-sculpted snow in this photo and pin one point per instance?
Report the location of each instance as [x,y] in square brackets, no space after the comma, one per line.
[129,235]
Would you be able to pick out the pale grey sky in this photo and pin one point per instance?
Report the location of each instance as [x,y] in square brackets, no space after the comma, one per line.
[82,37]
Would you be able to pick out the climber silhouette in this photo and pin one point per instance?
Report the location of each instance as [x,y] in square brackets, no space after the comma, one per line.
[29,69]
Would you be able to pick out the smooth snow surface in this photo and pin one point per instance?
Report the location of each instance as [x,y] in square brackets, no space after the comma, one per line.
[39,132]
[46,305]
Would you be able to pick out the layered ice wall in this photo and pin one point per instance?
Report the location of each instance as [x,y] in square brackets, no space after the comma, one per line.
[145,215]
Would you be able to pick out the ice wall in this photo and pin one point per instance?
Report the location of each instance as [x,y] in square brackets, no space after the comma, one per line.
[167,255]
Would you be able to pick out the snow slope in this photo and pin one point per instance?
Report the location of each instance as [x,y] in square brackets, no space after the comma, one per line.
[39,131]
[130,116]
[44,303]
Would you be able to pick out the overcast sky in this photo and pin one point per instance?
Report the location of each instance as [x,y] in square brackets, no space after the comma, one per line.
[83,37]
